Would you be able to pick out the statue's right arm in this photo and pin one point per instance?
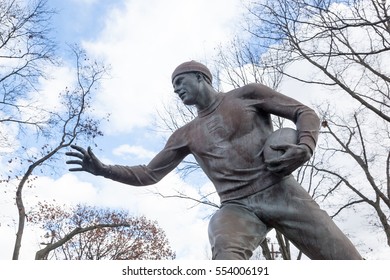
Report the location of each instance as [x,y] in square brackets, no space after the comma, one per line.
[140,175]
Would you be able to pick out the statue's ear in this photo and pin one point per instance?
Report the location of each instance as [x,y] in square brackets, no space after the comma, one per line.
[199,76]
[202,77]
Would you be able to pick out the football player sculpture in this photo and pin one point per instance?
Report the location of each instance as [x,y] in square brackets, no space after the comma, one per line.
[252,181]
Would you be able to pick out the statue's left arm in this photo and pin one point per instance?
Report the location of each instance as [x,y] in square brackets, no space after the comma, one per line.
[142,175]
[138,175]
[306,121]
[273,102]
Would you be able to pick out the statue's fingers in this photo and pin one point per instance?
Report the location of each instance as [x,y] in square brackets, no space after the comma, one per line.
[273,162]
[77,148]
[275,169]
[280,146]
[76,169]
[79,162]
[279,170]
[73,154]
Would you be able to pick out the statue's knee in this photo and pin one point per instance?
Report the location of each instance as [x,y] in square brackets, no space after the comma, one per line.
[235,232]
[226,247]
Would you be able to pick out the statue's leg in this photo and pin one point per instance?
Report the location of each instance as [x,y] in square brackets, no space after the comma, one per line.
[235,232]
[290,209]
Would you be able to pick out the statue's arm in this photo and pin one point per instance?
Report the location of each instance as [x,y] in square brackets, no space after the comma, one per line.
[139,175]
[143,175]
[306,120]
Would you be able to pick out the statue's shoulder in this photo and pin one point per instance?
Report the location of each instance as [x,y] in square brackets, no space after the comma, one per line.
[186,128]
[247,91]
[180,137]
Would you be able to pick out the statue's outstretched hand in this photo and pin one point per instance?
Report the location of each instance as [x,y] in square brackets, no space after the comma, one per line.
[293,157]
[87,161]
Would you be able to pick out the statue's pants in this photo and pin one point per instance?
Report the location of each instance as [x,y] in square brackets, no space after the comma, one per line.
[239,226]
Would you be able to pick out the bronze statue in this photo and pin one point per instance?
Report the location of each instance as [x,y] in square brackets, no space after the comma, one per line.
[227,139]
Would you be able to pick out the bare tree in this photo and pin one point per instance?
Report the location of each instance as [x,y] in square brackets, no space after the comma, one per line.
[89,233]
[70,123]
[336,38]
[365,172]
[25,49]
[346,45]
[240,64]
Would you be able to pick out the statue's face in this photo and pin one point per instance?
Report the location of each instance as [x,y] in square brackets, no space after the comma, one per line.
[187,86]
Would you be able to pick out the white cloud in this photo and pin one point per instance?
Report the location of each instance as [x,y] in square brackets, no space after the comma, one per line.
[136,151]
[144,42]
[59,78]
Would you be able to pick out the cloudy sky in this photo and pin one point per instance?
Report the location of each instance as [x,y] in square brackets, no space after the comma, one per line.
[142,42]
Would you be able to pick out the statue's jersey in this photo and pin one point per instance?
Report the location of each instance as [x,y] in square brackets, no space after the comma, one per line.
[227,141]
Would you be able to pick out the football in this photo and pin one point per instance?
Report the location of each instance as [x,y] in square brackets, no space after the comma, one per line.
[279,137]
